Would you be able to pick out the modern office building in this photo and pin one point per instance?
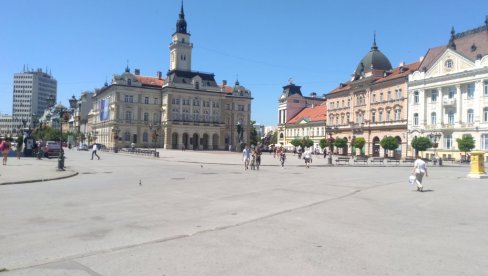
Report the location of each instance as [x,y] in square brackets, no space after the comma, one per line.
[31,90]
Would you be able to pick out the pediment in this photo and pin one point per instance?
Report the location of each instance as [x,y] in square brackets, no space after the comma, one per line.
[448,63]
[304,120]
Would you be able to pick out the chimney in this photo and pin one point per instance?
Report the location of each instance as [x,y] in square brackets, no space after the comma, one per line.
[224,82]
[402,63]
[137,72]
[159,75]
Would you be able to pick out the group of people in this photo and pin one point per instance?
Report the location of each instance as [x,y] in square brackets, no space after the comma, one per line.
[251,157]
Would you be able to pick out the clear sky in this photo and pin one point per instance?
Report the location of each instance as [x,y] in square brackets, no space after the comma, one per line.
[262,43]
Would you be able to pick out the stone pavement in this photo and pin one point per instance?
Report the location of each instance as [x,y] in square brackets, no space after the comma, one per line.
[201,213]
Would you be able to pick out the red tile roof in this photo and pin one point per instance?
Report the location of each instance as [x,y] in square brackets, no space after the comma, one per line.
[149,81]
[312,114]
[398,73]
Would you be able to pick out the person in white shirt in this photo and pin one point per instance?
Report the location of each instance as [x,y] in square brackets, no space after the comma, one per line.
[307,155]
[246,155]
[419,169]
[94,151]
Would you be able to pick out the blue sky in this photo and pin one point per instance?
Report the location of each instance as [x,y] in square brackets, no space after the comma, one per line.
[262,43]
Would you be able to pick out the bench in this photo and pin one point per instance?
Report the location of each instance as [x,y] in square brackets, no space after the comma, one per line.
[408,160]
[449,159]
[377,160]
[344,159]
[393,160]
[361,159]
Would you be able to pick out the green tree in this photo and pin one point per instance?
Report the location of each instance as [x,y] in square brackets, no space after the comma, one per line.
[253,136]
[274,138]
[389,143]
[20,142]
[359,142]
[421,144]
[296,142]
[307,142]
[323,143]
[340,143]
[466,143]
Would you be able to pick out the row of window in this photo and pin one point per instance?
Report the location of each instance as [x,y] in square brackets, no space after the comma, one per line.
[451,117]
[345,119]
[297,132]
[360,99]
[195,102]
[130,99]
[451,93]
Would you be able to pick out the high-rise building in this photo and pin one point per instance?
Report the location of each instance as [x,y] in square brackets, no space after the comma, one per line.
[30,93]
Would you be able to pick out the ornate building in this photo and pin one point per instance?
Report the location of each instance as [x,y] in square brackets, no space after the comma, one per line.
[448,94]
[187,109]
[372,105]
[299,116]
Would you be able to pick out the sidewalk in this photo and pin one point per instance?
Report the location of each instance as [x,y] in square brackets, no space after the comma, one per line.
[27,170]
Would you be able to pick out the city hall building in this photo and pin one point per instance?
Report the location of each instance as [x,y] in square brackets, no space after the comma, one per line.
[184,110]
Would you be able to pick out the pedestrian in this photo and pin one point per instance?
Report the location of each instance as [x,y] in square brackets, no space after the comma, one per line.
[94,151]
[419,170]
[5,148]
[258,153]
[325,153]
[282,157]
[246,155]
[307,156]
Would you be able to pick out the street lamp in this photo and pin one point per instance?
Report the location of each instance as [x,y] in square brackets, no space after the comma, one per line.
[330,131]
[434,136]
[154,136]
[115,131]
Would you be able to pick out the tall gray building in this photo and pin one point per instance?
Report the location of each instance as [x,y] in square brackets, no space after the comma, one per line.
[30,93]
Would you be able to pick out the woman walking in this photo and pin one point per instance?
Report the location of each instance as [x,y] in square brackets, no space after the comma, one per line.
[419,170]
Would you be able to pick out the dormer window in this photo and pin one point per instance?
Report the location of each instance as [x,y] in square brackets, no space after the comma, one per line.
[449,64]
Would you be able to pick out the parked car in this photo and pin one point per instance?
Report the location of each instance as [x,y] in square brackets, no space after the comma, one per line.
[52,148]
[83,147]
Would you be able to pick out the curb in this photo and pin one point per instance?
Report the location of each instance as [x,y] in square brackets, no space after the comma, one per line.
[73,173]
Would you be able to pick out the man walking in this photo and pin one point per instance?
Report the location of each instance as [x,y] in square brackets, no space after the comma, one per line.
[246,155]
[419,169]
[94,151]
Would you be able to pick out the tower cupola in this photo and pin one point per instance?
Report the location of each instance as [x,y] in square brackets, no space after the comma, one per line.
[181,23]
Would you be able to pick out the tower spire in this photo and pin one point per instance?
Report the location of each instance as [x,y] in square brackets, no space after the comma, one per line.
[181,23]
[374,46]
[451,44]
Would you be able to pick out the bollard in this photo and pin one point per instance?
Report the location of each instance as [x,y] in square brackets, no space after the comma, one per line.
[61,161]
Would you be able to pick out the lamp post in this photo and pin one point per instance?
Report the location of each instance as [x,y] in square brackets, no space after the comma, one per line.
[154,136]
[330,131]
[115,131]
[434,136]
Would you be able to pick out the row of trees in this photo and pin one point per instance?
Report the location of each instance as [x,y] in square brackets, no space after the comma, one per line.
[465,144]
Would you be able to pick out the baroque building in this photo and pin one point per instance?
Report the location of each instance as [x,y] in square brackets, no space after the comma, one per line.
[299,116]
[448,94]
[186,109]
[372,104]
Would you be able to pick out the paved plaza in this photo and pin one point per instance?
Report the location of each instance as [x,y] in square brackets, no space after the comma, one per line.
[201,213]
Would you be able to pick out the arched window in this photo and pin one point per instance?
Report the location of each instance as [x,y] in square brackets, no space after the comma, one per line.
[416,97]
[415,119]
[485,114]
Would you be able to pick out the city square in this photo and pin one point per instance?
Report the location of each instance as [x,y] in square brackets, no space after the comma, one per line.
[201,213]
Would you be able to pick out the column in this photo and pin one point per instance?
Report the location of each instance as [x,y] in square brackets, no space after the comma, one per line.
[441,100]
[458,104]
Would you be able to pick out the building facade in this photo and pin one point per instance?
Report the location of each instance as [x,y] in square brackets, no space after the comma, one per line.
[309,123]
[448,94]
[290,103]
[185,110]
[372,104]
[31,90]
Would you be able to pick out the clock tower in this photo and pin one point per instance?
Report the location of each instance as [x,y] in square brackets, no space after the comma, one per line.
[180,47]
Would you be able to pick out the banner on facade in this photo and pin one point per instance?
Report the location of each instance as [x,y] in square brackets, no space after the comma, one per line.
[104,111]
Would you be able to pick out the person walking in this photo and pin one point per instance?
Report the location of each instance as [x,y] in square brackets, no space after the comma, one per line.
[419,170]
[282,158]
[246,155]
[307,156]
[94,151]
[5,148]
